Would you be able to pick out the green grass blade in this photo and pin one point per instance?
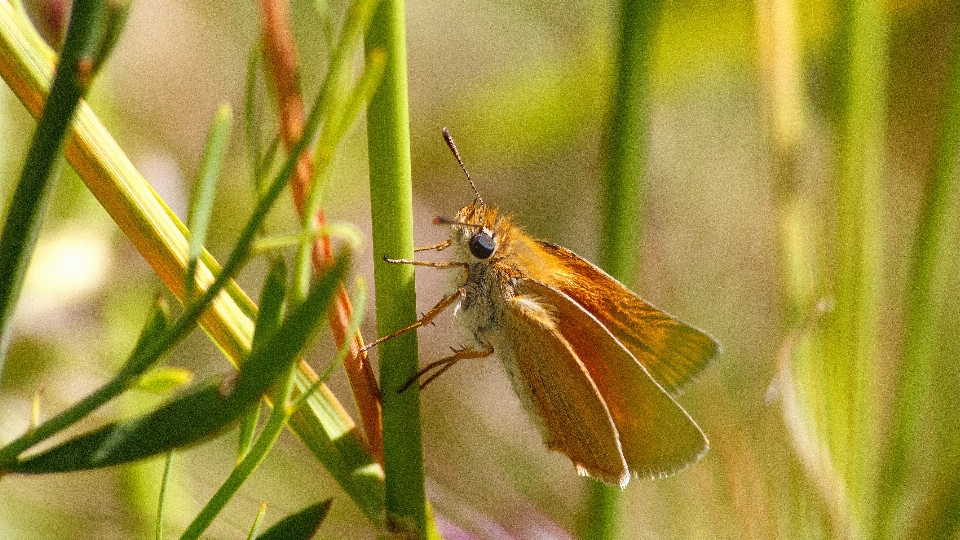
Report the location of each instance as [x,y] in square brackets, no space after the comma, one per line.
[625,156]
[161,505]
[246,467]
[330,103]
[323,426]
[201,204]
[359,303]
[147,352]
[836,368]
[255,528]
[136,365]
[268,321]
[271,303]
[240,473]
[852,365]
[25,214]
[201,413]
[115,17]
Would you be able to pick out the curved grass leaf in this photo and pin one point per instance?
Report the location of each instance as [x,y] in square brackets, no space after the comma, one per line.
[134,368]
[301,525]
[201,413]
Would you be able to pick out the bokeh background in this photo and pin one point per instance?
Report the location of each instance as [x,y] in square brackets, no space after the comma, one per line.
[525,87]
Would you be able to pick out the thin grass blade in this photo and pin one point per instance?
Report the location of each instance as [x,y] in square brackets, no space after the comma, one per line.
[201,204]
[199,414]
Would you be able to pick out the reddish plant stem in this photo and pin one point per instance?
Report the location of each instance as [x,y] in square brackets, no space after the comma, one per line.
[282,63]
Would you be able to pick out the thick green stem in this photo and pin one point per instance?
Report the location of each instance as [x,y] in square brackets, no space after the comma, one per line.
[852,364]
[392,217]
[625,158]
[932,272]
[623,199]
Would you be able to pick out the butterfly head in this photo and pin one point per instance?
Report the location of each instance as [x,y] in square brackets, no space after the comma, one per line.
[475,229]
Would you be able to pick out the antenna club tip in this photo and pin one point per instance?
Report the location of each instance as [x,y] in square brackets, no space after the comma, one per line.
[456,153]
[439,221]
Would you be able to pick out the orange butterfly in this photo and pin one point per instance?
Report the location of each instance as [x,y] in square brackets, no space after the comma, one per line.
[594,364]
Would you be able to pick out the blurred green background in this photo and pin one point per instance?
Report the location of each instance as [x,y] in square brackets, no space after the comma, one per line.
[735,138]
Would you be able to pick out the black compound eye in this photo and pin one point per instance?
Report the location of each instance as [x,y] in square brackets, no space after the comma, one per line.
[482,245]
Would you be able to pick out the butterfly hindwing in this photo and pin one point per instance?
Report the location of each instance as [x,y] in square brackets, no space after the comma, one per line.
[557,389]
[657,436]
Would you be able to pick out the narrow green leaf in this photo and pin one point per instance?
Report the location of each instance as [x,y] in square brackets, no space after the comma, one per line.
[115,18]
[161,504]
[158,324]
[201,204]
[245,468]
[851,369]
[919,448]
[275,424]
[342,115]
[164,380]
[325,428]
[248,429]
[25,214]
[359,303]
[299,526]
[266,163]
[252,119]
[330,104]
[201,413]
[346,232]
[271,303]
[135,366]
[268,321]
[325,20]
[255,528]
[35,410]
[369,81]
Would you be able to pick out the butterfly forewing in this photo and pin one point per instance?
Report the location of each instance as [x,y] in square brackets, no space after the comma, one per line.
[657,436]
[555,385]
[671,351]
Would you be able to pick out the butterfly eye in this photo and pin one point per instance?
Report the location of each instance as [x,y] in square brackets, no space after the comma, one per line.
[482,245]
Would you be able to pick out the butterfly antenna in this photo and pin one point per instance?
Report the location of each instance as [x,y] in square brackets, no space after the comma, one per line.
[456,153]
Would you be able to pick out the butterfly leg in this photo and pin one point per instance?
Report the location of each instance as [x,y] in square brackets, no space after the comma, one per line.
[446,363]
[436,247]
[432,264]
[443,304]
